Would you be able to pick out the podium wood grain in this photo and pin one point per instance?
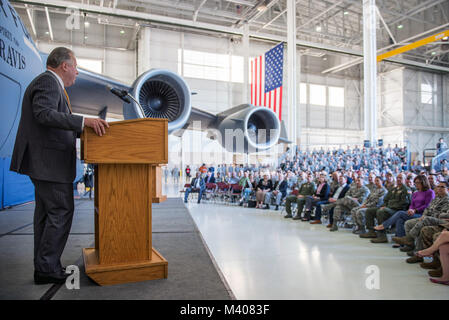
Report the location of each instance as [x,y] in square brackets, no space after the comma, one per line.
[127,181]
[129,141]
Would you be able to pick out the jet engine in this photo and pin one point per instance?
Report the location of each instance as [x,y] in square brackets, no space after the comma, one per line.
[162,94]
[249,129]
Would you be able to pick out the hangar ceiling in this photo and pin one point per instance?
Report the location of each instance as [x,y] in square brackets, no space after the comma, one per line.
[322,24]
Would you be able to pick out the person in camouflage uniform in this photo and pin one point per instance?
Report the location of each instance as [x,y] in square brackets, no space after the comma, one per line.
[353,199]
[306,189]
[371,185]
[397,199]
[374,200]
[389,182]
[435,214]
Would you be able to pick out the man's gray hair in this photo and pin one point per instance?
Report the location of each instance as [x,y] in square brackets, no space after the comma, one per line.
[58,56]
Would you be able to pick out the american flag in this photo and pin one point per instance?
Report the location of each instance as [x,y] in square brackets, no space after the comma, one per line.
[266,79]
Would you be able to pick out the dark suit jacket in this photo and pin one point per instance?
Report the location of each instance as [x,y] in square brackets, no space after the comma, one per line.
[282,187]
[343,192]
[324,192]
[202,183]
[45,146]
[211,179]
[268,186]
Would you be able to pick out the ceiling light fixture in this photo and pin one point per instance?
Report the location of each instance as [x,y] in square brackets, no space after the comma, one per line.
[400,26]
[262,6]
[346,12]
[318,28]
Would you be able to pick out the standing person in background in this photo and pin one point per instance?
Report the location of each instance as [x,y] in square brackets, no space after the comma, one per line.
[166,173]
[188,173]
[211,170]
[441,146]
[203,169]
[175,174]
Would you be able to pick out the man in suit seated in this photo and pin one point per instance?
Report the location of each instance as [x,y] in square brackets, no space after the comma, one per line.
[209,177]
[198,184]
[339,193]
[279,192]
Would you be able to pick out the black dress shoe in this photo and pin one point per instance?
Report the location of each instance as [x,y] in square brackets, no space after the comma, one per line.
[45,278]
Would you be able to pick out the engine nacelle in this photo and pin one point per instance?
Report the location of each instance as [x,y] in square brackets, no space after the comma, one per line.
[162,94]
[250,129]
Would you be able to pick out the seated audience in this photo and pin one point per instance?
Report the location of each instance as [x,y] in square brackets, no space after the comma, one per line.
[397,199]
[442,245]
[264,186]
[279,192]
[352,199]
[339,193]
[420,201]
[305,189]
[197,185]
[373,201]
[433,215]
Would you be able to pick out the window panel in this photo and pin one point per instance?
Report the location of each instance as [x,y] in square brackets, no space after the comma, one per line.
[317,94]
[211,66]
[303,93]
[90,64]
[336,96]
[426,93]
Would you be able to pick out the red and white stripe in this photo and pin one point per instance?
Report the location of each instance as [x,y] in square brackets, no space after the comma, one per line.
[271,99]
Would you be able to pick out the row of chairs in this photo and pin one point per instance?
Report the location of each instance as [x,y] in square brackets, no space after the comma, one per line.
[225,193]
[220,192]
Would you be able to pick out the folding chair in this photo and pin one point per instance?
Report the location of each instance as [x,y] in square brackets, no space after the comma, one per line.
[222,190]
[183,191]
[294,193]
[234,191]
[209,193]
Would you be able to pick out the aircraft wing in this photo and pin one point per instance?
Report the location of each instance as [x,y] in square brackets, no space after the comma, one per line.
[89,95]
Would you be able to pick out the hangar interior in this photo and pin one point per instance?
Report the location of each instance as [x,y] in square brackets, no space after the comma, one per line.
[245,253]
[211,43]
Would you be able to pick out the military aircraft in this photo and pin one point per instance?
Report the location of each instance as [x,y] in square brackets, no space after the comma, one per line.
[158,93]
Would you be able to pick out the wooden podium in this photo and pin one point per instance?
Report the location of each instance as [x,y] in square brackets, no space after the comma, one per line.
[127,181]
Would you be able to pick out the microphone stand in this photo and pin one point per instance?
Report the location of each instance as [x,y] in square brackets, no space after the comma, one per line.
[138,104]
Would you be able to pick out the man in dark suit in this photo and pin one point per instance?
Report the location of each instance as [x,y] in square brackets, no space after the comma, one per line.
[45,150]
[209,177]
[339,193]
[197,185]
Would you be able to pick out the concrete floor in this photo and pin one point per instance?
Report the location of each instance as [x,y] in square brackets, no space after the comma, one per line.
[260,254]
[264,256]
[191,273]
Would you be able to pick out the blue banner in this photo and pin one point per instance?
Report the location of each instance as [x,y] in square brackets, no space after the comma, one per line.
[15,188]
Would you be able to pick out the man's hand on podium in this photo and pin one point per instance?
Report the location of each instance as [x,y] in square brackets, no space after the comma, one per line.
[97,124]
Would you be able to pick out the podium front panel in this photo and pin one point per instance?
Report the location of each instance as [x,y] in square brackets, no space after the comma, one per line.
[124,213]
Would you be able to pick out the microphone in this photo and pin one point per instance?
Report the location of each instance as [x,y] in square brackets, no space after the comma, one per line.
[122,94]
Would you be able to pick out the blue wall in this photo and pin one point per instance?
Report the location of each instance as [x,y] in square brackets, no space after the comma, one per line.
[14,188]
